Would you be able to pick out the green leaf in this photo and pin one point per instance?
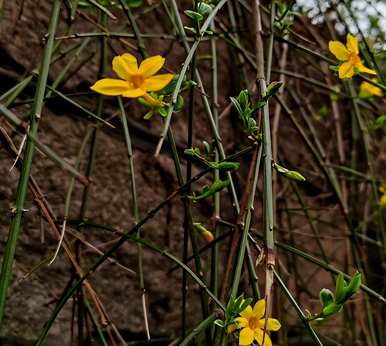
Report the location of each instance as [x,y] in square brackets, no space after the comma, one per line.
[134,3]
[204,9]
[195,152]
[179,105]
[198,17]
[206,192]
[331,309]
[272,89]
[334,68]
[163,112]
[190,29]
[243,98]
[244,304]
[252,125]
[340,289]
[354,285]
[294,175]
[237,105]
[326,297]
[380,121]
[225,166]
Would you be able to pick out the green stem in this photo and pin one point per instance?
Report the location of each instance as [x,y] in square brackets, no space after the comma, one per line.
[14,229]
[298,309]
[197,330]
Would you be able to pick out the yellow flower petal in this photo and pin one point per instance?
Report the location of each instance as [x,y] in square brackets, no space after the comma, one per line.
[366,90]
[151,66]
[242,322]
[363,68]
[259,309]
[247,312]
[125,66]
[346,70]
[111,87]
[158,82]
[339,50]
[135,92]
[382,201]
[271,324]
[259,336]
[246,336]
[352,44]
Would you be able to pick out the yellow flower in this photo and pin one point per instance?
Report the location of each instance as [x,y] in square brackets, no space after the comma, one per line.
[254,324]
[366,89]
[349,54]
[135,81]
[382,200]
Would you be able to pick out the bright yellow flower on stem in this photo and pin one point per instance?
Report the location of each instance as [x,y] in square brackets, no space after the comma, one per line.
[367,89]
[253,324]
[135,81]
[349,54]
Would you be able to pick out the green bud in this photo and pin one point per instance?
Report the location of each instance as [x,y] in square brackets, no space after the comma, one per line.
[331,309]
[326,297]
[294,175]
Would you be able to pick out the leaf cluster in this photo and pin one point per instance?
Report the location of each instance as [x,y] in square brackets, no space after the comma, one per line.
[344,290]
[234,307]
[247,110]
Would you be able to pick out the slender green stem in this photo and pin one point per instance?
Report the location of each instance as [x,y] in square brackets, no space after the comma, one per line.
[298,309]
[247,225]
[185,65]
[137,33]
[204,325]
[14,229]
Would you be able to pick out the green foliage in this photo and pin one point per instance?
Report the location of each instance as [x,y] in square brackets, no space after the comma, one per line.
[112,3]
[378,123]
[293,175]
[164,95]
[343,291]
[209,191]
[285,18]
[246,110]
[233,308]
[198,15]
[223,166]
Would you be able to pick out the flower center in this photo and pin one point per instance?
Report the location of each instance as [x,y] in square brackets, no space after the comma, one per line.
[253,323]
[137,80]
[354,58]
